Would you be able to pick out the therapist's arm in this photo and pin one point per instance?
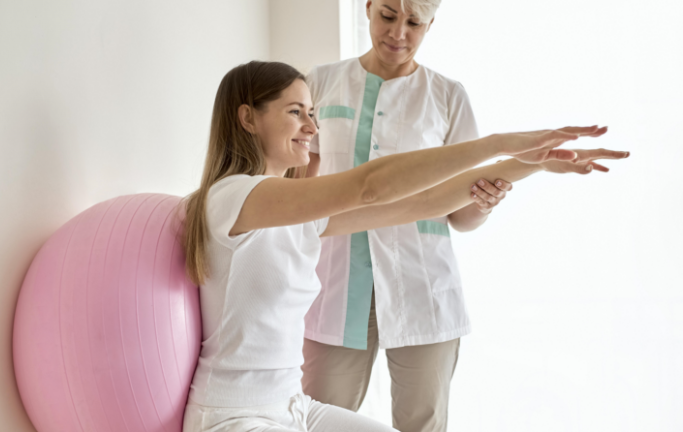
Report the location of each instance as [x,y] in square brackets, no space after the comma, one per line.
[468,218]
[486,195]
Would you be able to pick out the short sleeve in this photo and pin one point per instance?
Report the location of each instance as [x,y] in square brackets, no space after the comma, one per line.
[321,225]
[463,126]
[224,205]
[312,82]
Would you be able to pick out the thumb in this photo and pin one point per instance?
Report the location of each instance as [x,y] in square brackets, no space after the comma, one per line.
[582,169]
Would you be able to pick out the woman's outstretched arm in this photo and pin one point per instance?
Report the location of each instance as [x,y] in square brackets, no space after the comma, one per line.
[281,202]
[454,194]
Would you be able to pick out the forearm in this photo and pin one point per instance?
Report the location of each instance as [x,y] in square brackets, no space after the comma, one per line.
[467,218]
[391,178]
[438,201]
[454,194]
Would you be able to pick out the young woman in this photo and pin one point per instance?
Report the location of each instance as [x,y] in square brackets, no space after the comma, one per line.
[395,287]
[252,241]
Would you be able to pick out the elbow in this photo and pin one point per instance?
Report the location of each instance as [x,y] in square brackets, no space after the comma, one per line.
[372,192]
[368,197]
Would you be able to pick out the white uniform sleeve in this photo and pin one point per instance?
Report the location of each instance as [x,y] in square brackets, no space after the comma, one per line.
[224,205]
[321,225]
[312,81]
[463,126]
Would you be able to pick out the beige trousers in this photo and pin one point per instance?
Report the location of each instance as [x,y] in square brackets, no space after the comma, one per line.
[420,378]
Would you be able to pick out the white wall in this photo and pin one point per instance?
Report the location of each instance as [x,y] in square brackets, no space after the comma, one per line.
[575,284]
[305,33]
[99,99]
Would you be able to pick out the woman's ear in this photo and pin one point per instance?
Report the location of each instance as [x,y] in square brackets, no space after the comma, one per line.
[367,8]
[430,24]
[246,116]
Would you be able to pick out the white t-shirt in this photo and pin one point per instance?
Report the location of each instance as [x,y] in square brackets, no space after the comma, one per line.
[260,286]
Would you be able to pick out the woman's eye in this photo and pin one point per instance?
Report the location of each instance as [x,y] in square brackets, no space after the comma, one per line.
[413,24]
[387,18]
[295,112]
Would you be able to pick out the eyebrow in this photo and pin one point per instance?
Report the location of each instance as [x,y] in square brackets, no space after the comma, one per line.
[412,15]
[300,104]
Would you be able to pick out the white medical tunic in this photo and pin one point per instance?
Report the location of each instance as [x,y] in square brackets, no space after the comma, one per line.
[418,293]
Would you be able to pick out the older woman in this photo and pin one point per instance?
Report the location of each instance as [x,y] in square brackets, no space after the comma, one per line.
[397,287]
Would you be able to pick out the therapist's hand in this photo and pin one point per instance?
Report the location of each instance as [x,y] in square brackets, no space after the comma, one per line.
[584,163]
[487,195]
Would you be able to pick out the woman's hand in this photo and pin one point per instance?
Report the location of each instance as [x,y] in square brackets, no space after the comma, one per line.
[540,146]
[486,195]
[584,162]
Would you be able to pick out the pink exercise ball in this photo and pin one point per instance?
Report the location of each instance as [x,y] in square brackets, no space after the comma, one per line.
[107,329]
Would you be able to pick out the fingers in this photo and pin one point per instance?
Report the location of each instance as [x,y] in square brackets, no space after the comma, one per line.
[503,185]
[487,195]
[586,155]
[482,205]
[599,167]
[484,195]
[561,136]
[580,168]
[591,131]
[494,192]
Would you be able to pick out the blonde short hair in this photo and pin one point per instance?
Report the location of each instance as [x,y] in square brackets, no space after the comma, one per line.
[424,10]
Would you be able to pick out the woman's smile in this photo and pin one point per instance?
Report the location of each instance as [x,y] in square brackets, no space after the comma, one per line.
[303,142]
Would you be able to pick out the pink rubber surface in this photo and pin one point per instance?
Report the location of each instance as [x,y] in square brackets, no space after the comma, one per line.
[107,329]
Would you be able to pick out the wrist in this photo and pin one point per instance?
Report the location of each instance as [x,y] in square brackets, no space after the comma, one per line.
[490,146]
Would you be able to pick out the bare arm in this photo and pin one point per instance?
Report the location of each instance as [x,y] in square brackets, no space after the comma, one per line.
[280,202]
[437,201]
[468,218]
[454,194]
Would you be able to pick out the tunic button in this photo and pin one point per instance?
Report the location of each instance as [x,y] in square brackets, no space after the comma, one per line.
[380,113]
[375,146]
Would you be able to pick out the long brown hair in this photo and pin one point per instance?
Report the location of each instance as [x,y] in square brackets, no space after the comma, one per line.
[232,150]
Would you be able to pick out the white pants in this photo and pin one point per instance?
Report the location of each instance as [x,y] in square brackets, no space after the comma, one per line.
[298,414]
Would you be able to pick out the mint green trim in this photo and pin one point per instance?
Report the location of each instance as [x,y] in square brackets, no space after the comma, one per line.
[336,111]
[431,227]
[360,271]
[367,115]
[359,294]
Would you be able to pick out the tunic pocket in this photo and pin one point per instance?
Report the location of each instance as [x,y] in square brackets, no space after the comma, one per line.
[336,122]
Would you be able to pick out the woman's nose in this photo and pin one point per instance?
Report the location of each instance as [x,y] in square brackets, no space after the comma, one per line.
[311,126]
[397,32]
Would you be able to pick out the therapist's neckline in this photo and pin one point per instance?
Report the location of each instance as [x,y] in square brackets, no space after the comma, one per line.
[386,77]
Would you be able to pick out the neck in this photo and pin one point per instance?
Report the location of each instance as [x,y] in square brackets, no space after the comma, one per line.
[372,63]
[274,171]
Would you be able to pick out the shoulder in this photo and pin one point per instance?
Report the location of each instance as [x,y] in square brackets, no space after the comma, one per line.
[234,184]
[231,180]
[325,74]
[441,84]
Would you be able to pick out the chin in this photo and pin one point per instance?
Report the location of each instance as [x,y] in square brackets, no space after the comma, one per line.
[394,58]
[300,161]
